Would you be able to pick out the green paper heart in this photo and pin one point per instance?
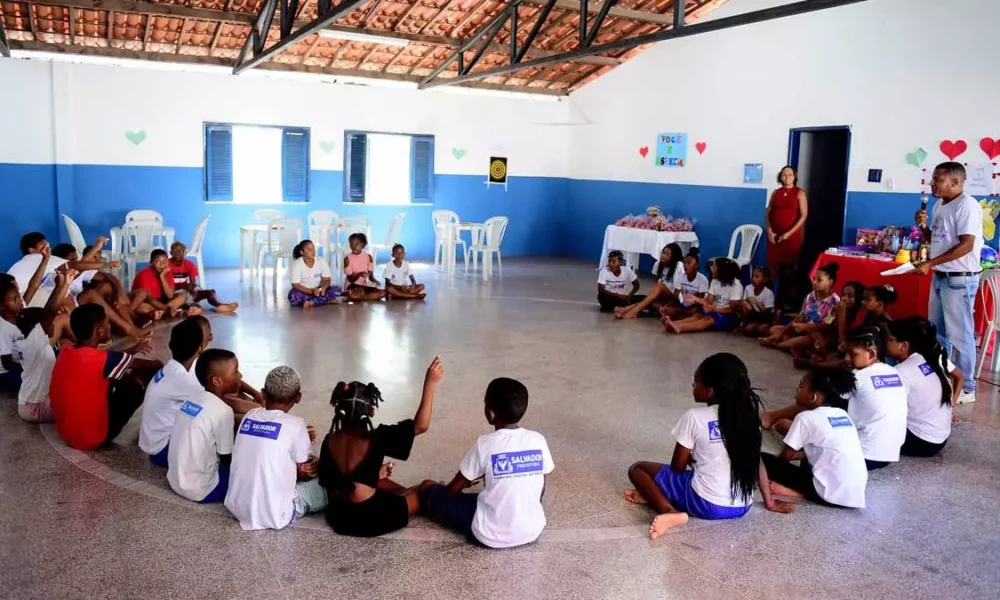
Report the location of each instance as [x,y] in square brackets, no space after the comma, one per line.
[136,137]
[458,153]
[917,158]
[327,147]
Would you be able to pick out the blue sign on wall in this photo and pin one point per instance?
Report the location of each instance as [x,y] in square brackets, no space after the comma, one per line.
[753,173]
[671,149]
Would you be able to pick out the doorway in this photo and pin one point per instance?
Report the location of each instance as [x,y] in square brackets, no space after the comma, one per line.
[821,157]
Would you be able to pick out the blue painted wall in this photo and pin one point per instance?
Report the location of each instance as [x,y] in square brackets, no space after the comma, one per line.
[27,203]
[874,210]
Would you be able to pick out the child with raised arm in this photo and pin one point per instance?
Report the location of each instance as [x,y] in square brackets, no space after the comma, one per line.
[311,278]
[185,276]
[359,268]
[399,280]
[663,290]
[719,308]
[272,480]
[364,501]
[514,464]
[617,284]
[720,443]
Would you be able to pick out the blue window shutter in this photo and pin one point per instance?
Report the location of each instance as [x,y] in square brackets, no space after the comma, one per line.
[295,164]
[355,166]
[421,168]
[219,163]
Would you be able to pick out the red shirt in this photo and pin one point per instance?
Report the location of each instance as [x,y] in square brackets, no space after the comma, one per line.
[79,393]
[148,279]
[184,273]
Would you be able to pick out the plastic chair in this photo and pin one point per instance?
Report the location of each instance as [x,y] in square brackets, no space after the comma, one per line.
[139,239]
[991,281]
[322,224]
[143,215]
[391,239]
[261,217]
[492,237]
[347,226]
[282,237]
[194,252]
[441,218]
[748,246]
[75,235]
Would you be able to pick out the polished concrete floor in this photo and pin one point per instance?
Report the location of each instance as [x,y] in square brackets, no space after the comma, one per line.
[604,393]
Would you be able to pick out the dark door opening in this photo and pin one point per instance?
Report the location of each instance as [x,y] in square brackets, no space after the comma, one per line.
[820,156]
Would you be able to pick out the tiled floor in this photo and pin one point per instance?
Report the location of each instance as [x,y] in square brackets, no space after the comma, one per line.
[105,525]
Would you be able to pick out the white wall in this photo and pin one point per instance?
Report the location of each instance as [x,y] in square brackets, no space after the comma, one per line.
[902,73]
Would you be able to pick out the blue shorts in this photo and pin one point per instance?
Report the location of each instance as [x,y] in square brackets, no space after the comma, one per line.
[721,320]
[455,512]
[219,493]
[677,488]
[160,458]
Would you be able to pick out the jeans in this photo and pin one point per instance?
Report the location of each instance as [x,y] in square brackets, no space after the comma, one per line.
[950,309]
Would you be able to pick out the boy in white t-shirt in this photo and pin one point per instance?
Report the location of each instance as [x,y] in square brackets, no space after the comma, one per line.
[399,280]
[617,284]
[513,462]
[832,469]
[172,386]
[878,406]
[201,441]
[273,450]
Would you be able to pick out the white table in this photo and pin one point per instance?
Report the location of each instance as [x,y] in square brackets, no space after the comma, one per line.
[248,233]
[634,242]
[451,233]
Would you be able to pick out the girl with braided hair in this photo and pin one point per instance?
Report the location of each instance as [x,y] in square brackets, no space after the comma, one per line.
[364,501]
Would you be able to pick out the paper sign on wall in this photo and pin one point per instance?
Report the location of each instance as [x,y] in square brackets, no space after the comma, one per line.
[979,179]
[753,173]
[671,149]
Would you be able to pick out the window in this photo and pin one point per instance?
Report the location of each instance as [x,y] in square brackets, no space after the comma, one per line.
[388,168]
[251,164]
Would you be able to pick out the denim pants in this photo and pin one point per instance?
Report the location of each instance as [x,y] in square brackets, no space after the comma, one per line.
[950,309]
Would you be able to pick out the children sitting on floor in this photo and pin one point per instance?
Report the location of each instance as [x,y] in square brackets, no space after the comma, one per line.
[822,436]
[876,301]
[663,290]
[171,387]
[932,383]
[827,350]
[514,464]
[818,314]
[272,479]
[185,275]
[95,392]
[359,269]
[158,282]
[247,397]
[617,284]
[364,501]
[719,306]
[201,441]
[399,280]
[11,305]
[757,309]
[690,285]
[311,278]
[721,442]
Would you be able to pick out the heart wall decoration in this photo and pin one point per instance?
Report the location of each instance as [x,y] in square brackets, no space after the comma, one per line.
[953,149]
[327,147]
[990,146]
[700,147]
[136,137]
[644,151]
[458,153]
[917,157]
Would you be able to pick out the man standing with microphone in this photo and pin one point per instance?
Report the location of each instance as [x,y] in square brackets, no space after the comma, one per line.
[956,242]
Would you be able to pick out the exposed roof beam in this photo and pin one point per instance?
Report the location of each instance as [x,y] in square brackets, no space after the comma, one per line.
[405,15]
[624,13]
[440,13]
[369,14]
[121,53]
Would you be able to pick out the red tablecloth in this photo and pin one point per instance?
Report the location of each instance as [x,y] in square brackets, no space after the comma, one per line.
[913,291]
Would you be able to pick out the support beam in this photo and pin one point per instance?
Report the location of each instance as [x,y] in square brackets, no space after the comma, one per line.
[215,36]
[758,16]
[149,31]
[370,13]
[405,15]
[180,36]
[4,44]
[111,26]
[678,14]
[72,24]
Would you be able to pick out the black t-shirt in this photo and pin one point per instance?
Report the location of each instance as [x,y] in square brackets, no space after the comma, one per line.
[394,441]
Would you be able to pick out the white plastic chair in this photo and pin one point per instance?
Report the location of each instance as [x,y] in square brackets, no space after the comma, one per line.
[347,226]
[140,238]
[990,279]
[492,237]
[262,217]
[194,252]
[282,237]
[748,246]
[441,219]
[75,235]
[322,225]
[391,239]
[143,215]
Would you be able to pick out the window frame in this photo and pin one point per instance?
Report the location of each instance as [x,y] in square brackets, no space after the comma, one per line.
[413,137]
[284,129]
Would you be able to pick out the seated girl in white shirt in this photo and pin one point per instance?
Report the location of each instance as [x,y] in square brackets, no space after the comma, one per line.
[719,306]
[932,382]
[663,290]
[690,286]
[757,308]
[617,284]
[720,442]
[399,280]
[311,278]
[832,470]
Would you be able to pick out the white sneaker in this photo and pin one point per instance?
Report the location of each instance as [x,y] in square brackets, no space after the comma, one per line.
[966,397]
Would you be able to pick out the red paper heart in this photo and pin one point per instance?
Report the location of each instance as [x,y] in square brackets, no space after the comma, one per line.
[644,151]
[990,147]
[700,147]
[953,149]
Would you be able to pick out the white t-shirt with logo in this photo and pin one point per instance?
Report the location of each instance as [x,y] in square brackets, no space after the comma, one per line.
[830,441]
[309,276]
[9,335]
[766,297]
[24,269]
[269,446]
[961,216]
[397,275]
[878,409]
[37,359]
[698,431]
[514,462]
[667,278]
[170,388]
[617,284]
[687,288]
[927,417]
[725,295]
[202,431]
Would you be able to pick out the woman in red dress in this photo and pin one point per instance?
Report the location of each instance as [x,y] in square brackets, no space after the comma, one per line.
[786,215]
